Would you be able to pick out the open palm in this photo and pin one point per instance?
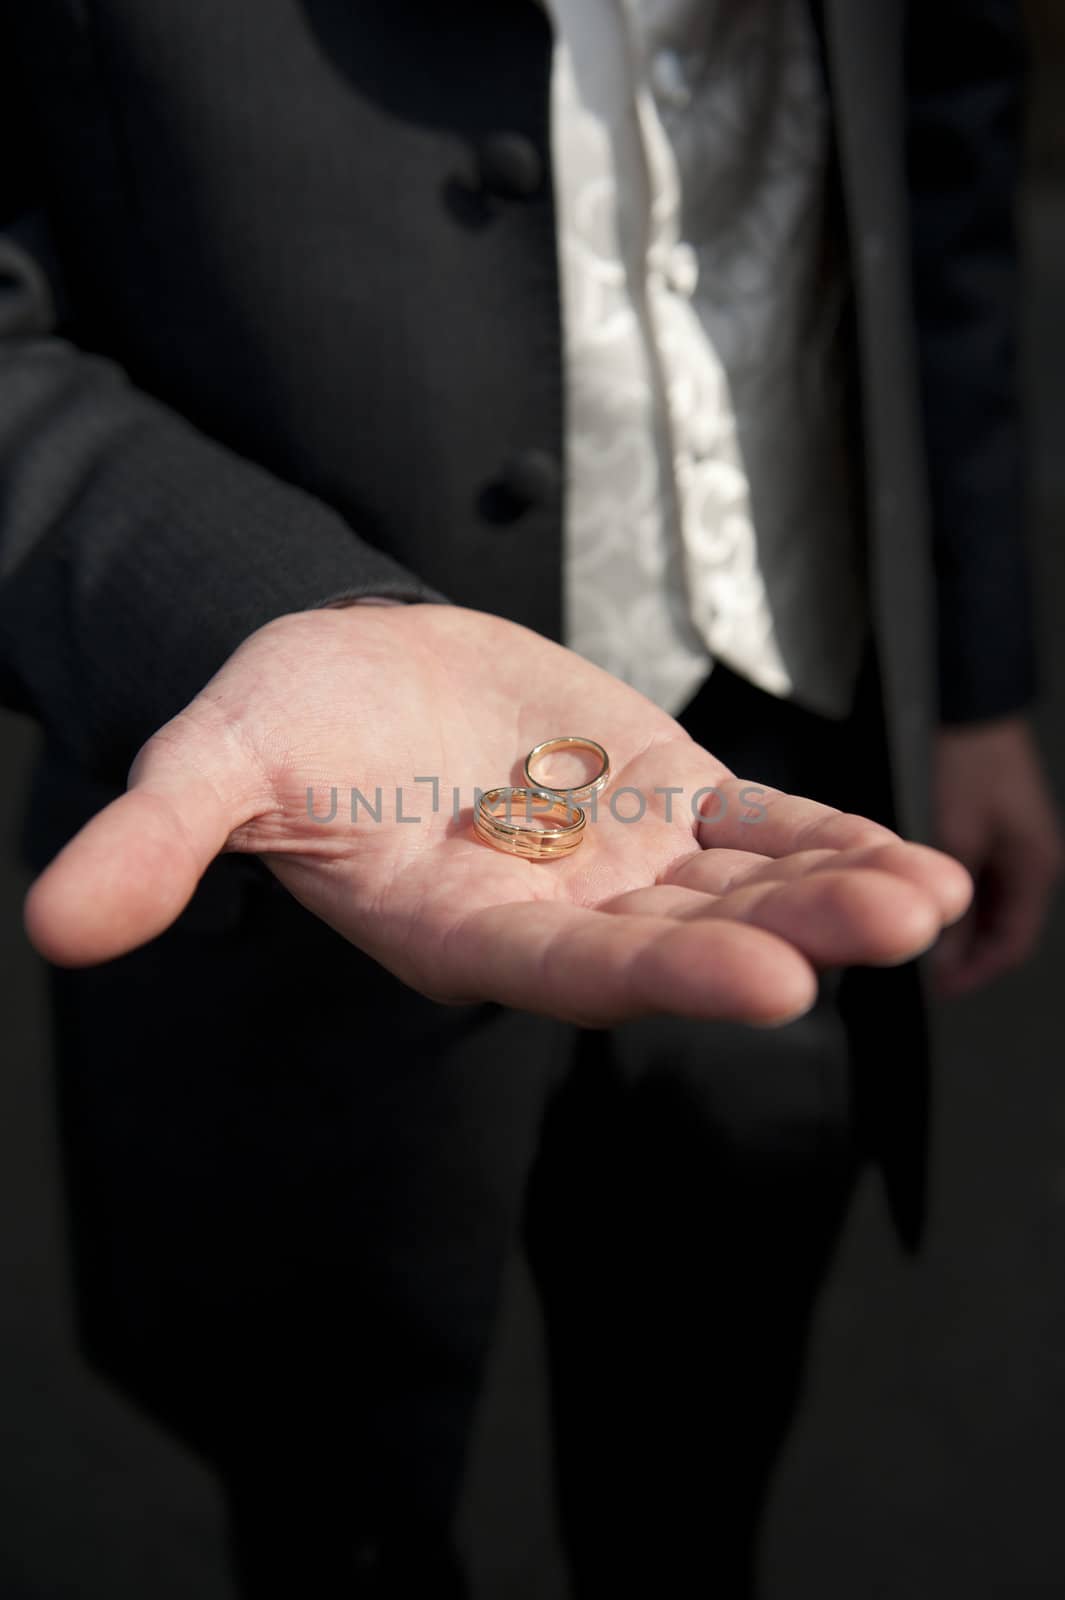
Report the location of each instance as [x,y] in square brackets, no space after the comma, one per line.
[414,709]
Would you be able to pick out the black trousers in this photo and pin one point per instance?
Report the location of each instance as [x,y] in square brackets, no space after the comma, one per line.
[293,1184]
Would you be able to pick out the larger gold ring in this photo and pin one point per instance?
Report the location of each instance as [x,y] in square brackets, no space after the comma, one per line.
[517,839]
[569,741]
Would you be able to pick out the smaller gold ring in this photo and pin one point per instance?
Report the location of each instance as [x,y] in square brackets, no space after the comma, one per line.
[570,741]
[538,844]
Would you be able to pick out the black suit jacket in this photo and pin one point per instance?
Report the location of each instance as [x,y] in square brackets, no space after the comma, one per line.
[279,322]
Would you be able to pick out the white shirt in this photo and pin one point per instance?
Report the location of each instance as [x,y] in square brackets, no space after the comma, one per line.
[708,509]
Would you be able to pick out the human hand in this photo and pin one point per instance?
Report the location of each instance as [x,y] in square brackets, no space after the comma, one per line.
[994,812]
[670,913]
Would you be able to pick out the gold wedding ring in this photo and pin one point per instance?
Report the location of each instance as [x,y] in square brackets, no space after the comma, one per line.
[569,741]
[525,839]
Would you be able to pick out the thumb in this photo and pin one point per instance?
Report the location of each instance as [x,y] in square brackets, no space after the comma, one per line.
[133,868]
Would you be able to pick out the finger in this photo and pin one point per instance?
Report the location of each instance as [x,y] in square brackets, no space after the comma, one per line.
[717,871]
[590,967]
[935,874]
[1013,895]
[661,900]
[972,965]
[834,918]
[740,814]
[133,868]
[946,881]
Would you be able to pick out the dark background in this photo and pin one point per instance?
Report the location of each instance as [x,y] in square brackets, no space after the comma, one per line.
[928,1460]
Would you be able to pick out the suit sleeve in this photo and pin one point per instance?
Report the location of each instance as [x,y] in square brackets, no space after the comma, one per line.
[135,553]
[965,86]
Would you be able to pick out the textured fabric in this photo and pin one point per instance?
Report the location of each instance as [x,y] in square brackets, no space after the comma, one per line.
[113,521]
[679,1236]
[286,240]
[963,149]
[283,361]
[709,513]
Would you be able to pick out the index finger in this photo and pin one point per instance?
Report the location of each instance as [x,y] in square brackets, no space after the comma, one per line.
[742,814]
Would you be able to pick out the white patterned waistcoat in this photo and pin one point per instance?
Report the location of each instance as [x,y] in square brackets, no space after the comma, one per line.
[710,514]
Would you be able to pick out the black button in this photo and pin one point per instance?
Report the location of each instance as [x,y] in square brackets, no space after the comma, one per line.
[366,1556]
[528,479]
[511,166]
